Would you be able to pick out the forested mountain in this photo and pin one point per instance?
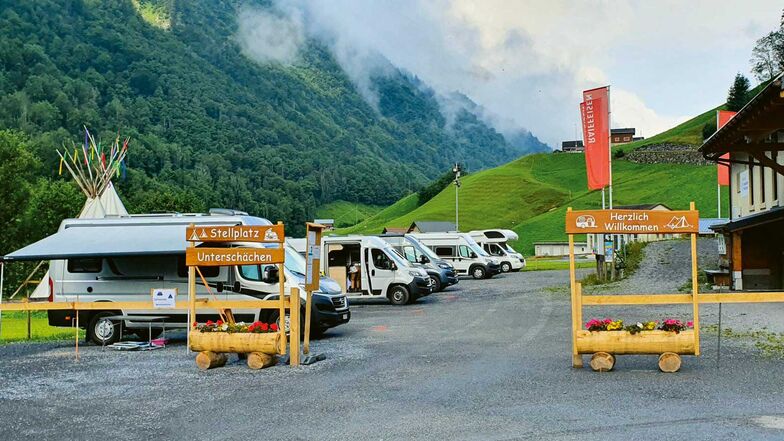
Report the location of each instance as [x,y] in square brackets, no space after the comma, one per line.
[211,127]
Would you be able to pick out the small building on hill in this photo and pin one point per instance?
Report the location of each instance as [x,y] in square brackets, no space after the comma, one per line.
[572,146]
[432,227]
[560,249]
[622,136]
[751,253]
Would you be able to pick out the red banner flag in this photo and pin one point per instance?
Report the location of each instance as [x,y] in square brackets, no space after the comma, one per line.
[595,110]
[722,117]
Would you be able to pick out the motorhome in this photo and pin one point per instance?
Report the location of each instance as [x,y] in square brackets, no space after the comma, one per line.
[462,251]
[441,271]
[123,259]
[496,244]
[367,267]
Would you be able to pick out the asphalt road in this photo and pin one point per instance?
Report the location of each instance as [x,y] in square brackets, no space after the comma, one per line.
[487,360]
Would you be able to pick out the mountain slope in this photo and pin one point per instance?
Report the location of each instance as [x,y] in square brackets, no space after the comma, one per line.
[209,126]
[530,195]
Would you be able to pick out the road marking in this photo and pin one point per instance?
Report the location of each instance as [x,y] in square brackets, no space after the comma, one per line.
[770,422]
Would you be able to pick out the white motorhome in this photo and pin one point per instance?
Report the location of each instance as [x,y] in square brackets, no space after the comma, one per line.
[496,243]
[367,267]
[462,251]
[123,259]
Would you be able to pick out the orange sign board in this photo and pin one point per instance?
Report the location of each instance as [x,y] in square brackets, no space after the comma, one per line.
[198,256]
[236,233]
[632,221]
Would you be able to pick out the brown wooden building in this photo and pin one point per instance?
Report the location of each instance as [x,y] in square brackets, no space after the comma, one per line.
[753,257]
[622,136]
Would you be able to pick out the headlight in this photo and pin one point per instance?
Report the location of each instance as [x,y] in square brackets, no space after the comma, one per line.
[415,274]
[444,266]
[494,261]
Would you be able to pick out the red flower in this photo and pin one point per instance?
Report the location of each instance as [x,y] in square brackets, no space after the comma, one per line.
[209,323]
[273,327]
[264,327]
[195,324]
[220,323]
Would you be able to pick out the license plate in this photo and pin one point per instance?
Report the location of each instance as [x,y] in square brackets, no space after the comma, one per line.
[345,316]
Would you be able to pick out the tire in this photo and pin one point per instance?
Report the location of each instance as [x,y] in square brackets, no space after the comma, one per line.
[274,319]
[506,267]
[146,335]
[398,295]
[437,286]
[478,272]
[102,331]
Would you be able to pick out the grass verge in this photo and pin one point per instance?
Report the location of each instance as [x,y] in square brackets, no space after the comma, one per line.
[14,328]
[555,264]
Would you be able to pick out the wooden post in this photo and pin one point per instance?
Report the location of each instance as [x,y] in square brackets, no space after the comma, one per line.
[294,314]
[282,296]
[191,299]
[577,359]
[695,286]
[208,360]
[29,312]
[312,273]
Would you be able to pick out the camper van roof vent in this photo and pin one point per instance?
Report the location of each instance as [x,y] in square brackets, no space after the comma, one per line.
[227,212]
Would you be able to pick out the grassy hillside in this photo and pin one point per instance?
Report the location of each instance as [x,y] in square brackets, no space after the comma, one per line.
[346,213]
[689,132]
[530,196]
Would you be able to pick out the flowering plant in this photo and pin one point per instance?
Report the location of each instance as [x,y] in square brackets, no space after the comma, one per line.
[220,326]
[674,325]
[597,324]
[641,326]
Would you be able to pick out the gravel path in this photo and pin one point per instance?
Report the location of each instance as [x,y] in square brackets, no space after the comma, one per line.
[486,360]
[666,267]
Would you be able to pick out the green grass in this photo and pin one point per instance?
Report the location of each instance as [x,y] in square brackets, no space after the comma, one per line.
[347,213]
[15,328]
[555,264]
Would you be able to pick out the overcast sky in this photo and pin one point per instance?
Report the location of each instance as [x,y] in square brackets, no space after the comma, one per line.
[528,61]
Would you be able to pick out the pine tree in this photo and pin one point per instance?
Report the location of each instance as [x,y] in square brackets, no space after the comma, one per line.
[738,95]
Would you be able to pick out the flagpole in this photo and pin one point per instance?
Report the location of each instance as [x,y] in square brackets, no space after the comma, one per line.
[609,143]
[718,200]
[602,198]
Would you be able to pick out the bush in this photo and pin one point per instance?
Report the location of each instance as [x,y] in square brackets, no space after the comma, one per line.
[708,129]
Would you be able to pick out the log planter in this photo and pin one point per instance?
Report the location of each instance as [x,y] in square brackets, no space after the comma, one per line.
[262,347]
[604,345]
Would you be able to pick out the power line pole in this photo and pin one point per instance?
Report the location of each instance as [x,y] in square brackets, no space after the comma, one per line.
[456,171]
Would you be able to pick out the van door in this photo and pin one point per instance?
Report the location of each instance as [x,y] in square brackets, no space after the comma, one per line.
[449,253]
[381,271]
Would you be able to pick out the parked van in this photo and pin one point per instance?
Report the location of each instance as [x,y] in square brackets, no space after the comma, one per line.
[123,259]
[495,243]
[367,267]
[442,273]
[462,251]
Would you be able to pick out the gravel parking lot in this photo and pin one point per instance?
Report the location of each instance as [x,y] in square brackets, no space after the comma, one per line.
[483,360]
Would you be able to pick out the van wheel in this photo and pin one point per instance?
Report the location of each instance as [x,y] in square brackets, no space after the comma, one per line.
[437,287]
[103,331]
[506,267]
[478,272]
[287,321]
[398,295]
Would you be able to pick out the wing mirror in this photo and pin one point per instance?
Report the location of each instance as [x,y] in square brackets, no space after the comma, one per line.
[219,286]
[424,259]
[270,275]
[473,255]
[237,287]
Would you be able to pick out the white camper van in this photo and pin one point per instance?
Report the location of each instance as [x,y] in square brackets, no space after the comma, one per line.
[368,267]
[462,251]
[495,243]
[123,259]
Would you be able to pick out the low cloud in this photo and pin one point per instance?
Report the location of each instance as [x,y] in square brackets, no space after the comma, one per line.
[271,35]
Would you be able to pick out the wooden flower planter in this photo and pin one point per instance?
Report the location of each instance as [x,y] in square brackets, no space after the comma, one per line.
[213,346]
[604,345]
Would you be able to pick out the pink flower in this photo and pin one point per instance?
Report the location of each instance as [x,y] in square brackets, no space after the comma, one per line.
[690,324]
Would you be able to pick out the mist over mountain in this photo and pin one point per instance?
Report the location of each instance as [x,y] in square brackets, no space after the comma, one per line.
[230,103]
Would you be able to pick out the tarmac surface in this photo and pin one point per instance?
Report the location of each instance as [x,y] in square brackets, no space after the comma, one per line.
[485,360]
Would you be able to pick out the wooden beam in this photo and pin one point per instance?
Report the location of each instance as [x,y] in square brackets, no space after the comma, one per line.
[767,162]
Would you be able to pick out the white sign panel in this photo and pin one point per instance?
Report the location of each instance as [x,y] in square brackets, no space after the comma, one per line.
[313,253]
[722,244]
[164,298]
[743,183]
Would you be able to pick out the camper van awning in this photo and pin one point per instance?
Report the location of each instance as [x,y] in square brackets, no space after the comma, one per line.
[102,241]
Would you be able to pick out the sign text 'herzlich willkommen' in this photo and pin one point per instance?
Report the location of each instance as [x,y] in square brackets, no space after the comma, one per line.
[632,222]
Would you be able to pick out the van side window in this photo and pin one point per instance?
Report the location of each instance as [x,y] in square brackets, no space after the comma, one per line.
[207,271]
[380,259]
[445,251]
[410,254]
[85,265]
[251,272]
[464,251]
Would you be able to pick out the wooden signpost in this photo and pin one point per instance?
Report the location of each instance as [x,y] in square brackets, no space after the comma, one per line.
[312,273]
[605,345]
[260,347]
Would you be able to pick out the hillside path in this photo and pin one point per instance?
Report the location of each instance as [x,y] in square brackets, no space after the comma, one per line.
[664,269]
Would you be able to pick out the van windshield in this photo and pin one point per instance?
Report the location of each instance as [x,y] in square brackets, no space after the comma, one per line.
[294,262]
[397,257]
[421,249]
[475,246]
[506,246]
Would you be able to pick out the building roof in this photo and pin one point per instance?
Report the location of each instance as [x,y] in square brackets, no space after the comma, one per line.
[623,131]
[707,224]
[433,226]
[748,129]
[394,230]
[754,220]
[324,221]
[641,207]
